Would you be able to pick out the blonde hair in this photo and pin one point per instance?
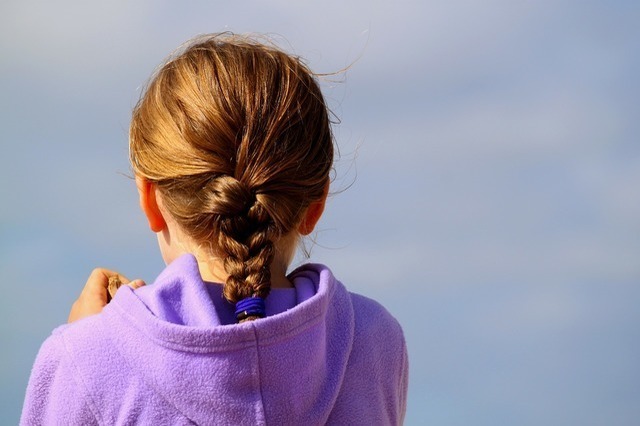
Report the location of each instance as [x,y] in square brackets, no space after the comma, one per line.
[236,135]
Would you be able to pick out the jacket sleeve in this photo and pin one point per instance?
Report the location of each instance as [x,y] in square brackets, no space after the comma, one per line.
[403,383]
[374,387]
[54,394]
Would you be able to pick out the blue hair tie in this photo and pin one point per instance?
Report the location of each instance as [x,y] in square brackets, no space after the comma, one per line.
[250,307]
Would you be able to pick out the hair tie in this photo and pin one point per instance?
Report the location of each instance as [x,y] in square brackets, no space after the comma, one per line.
[250,307]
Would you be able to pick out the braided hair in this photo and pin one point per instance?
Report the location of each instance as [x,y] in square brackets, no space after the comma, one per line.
[236,135]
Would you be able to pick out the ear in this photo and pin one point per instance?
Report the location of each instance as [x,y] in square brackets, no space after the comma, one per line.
[149,204]
[313,213]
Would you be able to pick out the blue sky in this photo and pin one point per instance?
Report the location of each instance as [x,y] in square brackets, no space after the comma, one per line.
[490,163]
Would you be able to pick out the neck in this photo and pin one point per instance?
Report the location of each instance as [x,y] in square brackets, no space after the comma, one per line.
[173,242]
[212,270]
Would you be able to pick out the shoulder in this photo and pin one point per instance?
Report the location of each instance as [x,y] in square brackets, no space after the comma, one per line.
[372,321]
[376,331]
[78,375]
[82,342]
[57,350]
[372,309]
[56,393]
[376,380]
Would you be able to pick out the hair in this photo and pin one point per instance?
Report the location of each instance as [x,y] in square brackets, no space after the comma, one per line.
[237,137]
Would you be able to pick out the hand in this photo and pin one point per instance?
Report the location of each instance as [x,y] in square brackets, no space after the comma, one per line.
[94,296]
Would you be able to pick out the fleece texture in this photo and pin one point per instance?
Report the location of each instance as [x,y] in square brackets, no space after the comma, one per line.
[170,353]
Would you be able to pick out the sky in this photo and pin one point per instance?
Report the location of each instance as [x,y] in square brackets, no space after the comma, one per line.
[486,193]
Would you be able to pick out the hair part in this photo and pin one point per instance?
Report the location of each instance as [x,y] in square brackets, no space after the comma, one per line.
[236,135]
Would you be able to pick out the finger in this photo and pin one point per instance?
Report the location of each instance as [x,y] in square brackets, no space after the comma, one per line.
[98,281]
[96,286]
[136,284]
[94,295]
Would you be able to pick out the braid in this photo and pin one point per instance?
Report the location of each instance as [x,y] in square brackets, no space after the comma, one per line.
[244,236]
[226,211]
[249,251]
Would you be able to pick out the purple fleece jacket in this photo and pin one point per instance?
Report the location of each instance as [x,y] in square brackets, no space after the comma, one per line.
[170,353]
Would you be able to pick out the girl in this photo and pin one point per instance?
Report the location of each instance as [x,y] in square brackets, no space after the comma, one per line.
[231,148]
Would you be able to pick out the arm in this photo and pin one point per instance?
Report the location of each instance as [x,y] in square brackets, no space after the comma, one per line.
[54,395]
[403,383]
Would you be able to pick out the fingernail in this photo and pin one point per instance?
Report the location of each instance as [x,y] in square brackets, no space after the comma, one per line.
[136,283]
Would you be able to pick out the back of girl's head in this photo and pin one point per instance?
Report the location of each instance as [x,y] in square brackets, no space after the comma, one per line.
[237,137]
